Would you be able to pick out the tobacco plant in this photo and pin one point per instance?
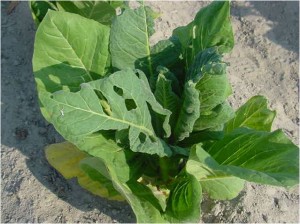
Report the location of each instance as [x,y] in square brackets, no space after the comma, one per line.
[151,124]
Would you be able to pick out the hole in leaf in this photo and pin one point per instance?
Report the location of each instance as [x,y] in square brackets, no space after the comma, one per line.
[118,91]
[130,104]
[142,137]
[137,74]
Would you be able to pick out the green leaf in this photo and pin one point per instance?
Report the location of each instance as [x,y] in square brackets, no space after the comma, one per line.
[219,115]
[165,96]
[253,114]
[165,53]
[123,168]
[116,4]
[202,136]
[99,11]
[218,184]
[129,40]
[211,27]
[39,10]
[78,114]
[69,50]
[185,199]
[189,112]
[209,71]
[184,35]
[258,156]
[95,169]
[65,158]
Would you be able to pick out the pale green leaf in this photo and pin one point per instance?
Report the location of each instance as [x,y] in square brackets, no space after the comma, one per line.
[129,40]
[253,114]
[69,50]
[218,184]
[78,114]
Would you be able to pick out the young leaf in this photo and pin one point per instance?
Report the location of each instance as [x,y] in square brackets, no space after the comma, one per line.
[69,50]
[211,27]
[99,11]
[258,156]
[219,185]
[219,115]
[166,53]
[185,199]
[65,158]
[83,114]
[165,96]
[253,114]
[209,72]
[189,112]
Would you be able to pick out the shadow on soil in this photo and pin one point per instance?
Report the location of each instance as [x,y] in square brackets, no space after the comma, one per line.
[285,18]
[24,128]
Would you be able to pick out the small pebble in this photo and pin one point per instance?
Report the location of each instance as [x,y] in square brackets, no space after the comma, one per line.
[265,218]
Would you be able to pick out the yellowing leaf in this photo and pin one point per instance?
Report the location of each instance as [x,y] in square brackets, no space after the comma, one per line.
[66,158]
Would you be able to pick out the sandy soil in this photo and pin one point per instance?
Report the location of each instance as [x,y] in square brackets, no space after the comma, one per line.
[265,61]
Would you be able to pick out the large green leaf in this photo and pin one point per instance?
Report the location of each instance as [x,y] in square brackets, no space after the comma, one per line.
[258,156]
[185,199]
[66,159]
[253,114]
[127,95]
[129,40]
[211,27]
[99,11]
[219,115]
[218,184]
[69,50]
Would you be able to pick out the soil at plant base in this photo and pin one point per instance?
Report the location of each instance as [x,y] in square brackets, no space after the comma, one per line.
[264,61]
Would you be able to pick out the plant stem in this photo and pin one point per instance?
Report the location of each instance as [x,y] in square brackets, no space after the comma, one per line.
[164,170]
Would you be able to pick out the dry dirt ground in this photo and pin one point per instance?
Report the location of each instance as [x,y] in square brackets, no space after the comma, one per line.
[265,61]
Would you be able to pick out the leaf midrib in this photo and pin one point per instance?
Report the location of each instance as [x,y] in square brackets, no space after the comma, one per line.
[147,43]
[149,132]
[71,47]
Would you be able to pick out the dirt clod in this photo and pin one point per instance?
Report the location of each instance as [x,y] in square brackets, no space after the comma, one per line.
[21,133]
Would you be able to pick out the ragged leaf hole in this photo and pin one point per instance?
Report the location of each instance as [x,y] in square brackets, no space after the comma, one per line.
[130,104]
[118,91]
[142,137]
